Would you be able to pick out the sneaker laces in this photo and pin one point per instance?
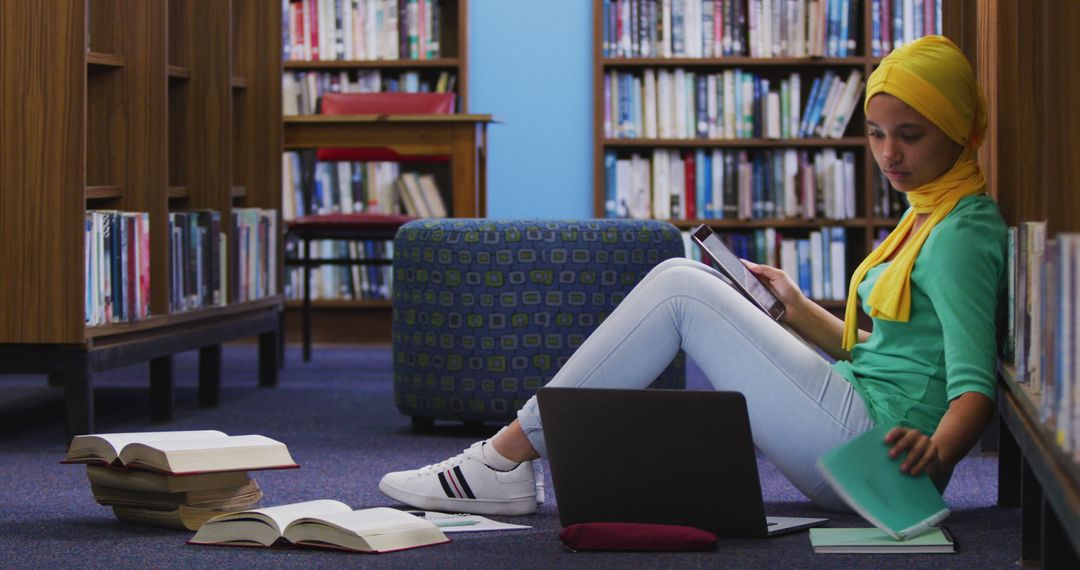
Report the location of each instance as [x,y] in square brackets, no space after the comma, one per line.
[453,461]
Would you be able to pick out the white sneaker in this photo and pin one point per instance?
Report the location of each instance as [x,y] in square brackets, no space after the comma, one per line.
[464,483]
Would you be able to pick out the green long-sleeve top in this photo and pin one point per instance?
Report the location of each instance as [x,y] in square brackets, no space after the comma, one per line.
[907,373]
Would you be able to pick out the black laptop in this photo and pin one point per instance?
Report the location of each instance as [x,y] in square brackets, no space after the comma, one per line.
[657,456]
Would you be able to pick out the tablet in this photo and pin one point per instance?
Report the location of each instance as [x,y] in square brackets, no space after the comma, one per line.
[750,285]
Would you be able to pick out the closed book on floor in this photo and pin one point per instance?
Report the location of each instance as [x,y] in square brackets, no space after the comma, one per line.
[871,483]
[936,540]
[161,482]
[182,517]
[180,452]
[322,524]
[225,498]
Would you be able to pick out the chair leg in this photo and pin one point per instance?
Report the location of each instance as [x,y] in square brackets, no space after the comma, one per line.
[422,426]
[305,316]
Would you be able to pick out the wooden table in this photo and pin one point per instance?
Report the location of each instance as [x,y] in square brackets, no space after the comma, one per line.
[461,137]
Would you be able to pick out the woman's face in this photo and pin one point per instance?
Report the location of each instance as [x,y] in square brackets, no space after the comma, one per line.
[908,148]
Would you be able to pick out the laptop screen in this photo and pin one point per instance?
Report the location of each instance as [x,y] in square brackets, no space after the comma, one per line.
[656,456]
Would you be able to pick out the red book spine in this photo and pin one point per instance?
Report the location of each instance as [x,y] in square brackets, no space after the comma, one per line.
[690,193]
[298,50]
[313,28]
[131,223]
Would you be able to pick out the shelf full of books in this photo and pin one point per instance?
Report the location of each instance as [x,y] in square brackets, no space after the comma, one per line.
[729,104]
[746,115]
[351,187]
[347,187]
[118,261]
[732,184]
[1042,340]
[367,46]
[816,260]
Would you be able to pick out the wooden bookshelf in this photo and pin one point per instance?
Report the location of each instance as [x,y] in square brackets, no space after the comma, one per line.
[1025,64]
[861,230]
[1036,475]
[454,54]
[368,320]
[127,105]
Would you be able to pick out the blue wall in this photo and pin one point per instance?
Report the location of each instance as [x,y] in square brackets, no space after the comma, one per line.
[530,65]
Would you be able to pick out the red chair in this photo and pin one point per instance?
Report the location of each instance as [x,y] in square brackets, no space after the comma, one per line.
[360,226]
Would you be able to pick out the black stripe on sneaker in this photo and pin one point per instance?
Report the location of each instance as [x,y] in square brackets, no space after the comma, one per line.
[446,487]
[464,485]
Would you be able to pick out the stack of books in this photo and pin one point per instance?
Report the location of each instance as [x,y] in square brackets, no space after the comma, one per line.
[177,479]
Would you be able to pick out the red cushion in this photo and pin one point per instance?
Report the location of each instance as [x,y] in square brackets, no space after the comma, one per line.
[636,536]
[382,104]
[387,104]
[360,226]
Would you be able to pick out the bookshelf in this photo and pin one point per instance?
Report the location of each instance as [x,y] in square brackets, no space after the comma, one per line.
[1024,63]
[860,226]
[134,105]
[367,320]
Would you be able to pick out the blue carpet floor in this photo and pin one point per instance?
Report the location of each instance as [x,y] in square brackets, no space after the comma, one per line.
[338,418]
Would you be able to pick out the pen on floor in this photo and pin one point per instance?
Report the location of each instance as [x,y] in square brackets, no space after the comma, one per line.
[463,522]
[450,520]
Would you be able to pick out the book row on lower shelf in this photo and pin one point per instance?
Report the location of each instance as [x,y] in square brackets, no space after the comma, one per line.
[117,261]
[737,184]
[302,90]
[1043,323]
[730,104]
[342,282]
[816,261]
[353,187]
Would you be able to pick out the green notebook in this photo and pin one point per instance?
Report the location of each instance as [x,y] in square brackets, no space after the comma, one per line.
[874,541]
[871,483]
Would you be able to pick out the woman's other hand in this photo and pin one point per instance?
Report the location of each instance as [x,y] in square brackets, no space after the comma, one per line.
[922,452]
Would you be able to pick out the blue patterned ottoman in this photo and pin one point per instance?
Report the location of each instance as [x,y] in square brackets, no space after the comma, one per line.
[486,311]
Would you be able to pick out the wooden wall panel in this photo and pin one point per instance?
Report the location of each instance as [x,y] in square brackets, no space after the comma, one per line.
[1031,74]
[42,43]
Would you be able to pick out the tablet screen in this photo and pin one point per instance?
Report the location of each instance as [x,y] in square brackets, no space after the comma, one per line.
[730,264]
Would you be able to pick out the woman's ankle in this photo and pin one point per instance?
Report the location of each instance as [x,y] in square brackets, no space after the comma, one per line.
[512,444]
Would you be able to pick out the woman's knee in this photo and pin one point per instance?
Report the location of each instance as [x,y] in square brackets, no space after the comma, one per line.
[682,275]
[669,264]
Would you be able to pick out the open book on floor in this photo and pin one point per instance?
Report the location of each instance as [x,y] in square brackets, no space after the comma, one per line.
[871,483]
[937,540]
[323,524]
[180,452]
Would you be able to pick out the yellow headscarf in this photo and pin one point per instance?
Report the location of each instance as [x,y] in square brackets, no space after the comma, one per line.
[933,77]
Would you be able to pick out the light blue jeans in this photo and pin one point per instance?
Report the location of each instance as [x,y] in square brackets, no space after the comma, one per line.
[799,407]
